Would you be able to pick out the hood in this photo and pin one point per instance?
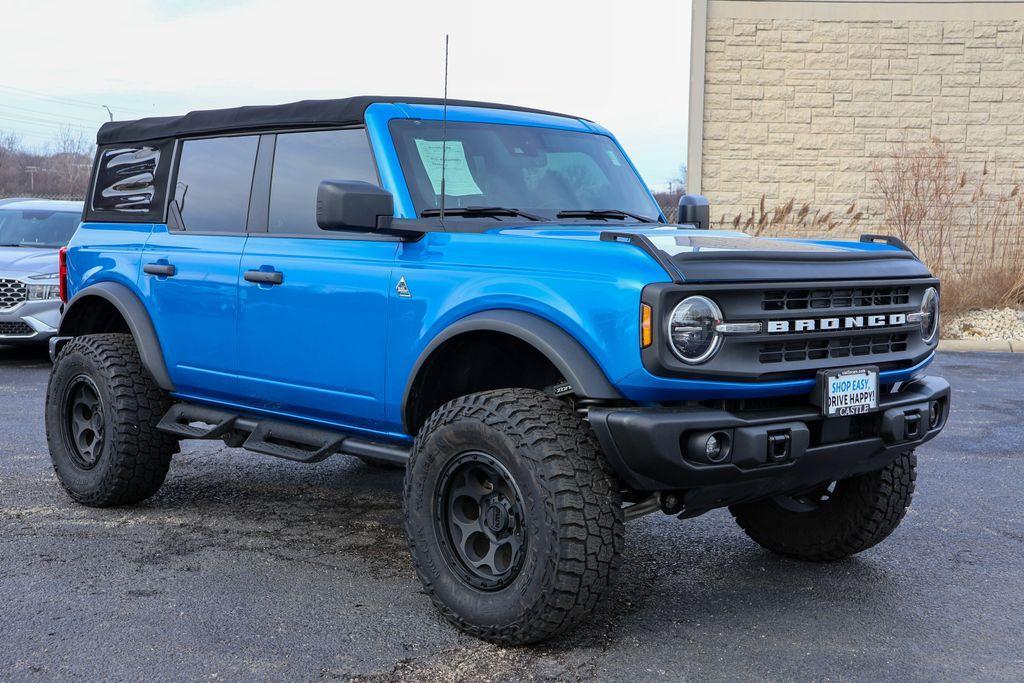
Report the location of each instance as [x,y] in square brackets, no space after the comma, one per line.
[694,255]
[24,261]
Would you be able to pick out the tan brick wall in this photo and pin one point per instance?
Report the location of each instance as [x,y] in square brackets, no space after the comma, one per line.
[803,109]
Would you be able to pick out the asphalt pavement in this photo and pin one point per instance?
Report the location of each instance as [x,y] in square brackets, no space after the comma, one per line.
[247,567]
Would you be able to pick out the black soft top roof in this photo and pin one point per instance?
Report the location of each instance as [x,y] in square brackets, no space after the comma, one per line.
[343,112]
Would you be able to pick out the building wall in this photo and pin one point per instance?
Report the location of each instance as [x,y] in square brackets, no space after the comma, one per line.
[802,100]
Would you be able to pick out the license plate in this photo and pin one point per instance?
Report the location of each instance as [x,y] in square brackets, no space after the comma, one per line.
[850,391]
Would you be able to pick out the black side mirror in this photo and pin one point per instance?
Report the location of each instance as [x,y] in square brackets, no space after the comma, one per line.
[694,208]
[353,205]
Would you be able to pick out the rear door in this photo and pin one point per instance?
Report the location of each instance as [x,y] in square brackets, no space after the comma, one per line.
[190,268]
[313,304]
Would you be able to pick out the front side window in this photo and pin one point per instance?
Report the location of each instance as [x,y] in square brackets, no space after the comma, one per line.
[34,228]
[301,161]
[214,182]
[539,170]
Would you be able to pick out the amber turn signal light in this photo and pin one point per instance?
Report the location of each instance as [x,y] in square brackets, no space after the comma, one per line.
[645,326]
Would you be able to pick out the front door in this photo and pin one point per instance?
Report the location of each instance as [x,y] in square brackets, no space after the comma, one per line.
[189,273]
[313,304]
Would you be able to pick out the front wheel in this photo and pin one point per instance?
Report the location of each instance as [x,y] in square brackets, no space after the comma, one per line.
[835,520]
[514,519]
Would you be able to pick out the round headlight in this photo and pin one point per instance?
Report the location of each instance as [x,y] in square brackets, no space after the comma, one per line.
[930,315]
[691,329]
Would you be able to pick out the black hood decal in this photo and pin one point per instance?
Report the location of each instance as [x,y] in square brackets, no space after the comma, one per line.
[741,258]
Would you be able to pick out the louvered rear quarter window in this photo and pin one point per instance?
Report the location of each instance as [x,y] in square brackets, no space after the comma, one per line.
[130,182]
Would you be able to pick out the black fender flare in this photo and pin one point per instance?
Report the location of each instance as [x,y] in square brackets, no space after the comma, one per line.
[577,366]
[140,325]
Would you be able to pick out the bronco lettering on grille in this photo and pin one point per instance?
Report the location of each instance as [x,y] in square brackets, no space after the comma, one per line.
[851,322]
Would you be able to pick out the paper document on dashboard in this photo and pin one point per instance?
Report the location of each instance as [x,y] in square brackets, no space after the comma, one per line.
[458,181]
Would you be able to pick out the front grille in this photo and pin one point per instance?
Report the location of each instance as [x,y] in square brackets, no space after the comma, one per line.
[12,293]
[835,347]
[853,297]
[804,327]
[15,330]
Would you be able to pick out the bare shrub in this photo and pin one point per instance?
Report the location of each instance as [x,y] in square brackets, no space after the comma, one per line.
[969,236]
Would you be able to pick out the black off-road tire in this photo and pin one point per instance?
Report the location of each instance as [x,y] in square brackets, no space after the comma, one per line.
[860,513]
[132,458]
[572,511]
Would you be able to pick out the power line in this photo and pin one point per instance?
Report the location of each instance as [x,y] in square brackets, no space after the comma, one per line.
[15,118]
[47,125]
[68,100]
[58,117]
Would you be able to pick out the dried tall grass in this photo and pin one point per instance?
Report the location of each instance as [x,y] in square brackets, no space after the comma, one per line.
[789,220]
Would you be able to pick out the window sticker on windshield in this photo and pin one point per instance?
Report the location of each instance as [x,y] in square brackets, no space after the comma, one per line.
[613,156]
[458,181]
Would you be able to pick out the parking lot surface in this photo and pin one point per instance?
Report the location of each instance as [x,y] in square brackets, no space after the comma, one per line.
[246,567]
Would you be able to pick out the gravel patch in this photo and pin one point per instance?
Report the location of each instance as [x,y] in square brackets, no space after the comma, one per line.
[992,323]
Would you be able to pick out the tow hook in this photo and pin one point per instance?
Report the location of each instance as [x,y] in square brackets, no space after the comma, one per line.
[668,502]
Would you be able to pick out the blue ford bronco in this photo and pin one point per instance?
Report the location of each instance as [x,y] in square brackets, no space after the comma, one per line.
[489,297]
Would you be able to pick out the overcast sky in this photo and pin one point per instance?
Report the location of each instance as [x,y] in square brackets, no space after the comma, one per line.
[621,63]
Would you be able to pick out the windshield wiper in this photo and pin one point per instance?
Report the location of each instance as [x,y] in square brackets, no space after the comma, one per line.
[602,213]
[14,245]
[482,211]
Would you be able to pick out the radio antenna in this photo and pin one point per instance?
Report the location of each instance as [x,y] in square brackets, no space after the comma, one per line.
[444,127]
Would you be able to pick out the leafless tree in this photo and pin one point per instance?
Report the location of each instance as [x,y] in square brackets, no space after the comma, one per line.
[10,143]
[668,199]
[59,170]
[69,160]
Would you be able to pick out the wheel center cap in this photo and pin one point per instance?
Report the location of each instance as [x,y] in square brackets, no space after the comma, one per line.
[496,518]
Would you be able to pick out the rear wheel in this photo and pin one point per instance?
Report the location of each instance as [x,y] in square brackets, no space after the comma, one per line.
[835,520]
[102,408]
[514,519]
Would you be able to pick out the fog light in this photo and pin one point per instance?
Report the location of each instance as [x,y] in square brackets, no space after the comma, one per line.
[715,447]
[709,448]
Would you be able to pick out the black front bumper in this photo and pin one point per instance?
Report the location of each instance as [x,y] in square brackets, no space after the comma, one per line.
[769,452]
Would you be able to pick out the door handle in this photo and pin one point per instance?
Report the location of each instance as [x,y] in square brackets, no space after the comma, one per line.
[161,269]
[264,277]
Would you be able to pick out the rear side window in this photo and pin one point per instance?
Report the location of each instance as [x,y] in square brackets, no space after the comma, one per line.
[129,182]
[213,183]
[301,161]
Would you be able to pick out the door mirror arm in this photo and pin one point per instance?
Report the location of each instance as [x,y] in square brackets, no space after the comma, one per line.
[408,230]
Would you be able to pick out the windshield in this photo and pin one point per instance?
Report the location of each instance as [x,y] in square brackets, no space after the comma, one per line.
[31,228]
[537,170]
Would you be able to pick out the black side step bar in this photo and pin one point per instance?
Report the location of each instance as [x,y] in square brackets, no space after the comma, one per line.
[288,440]
[197,422]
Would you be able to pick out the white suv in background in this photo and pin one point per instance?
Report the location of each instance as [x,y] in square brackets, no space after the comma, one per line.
[32,231]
